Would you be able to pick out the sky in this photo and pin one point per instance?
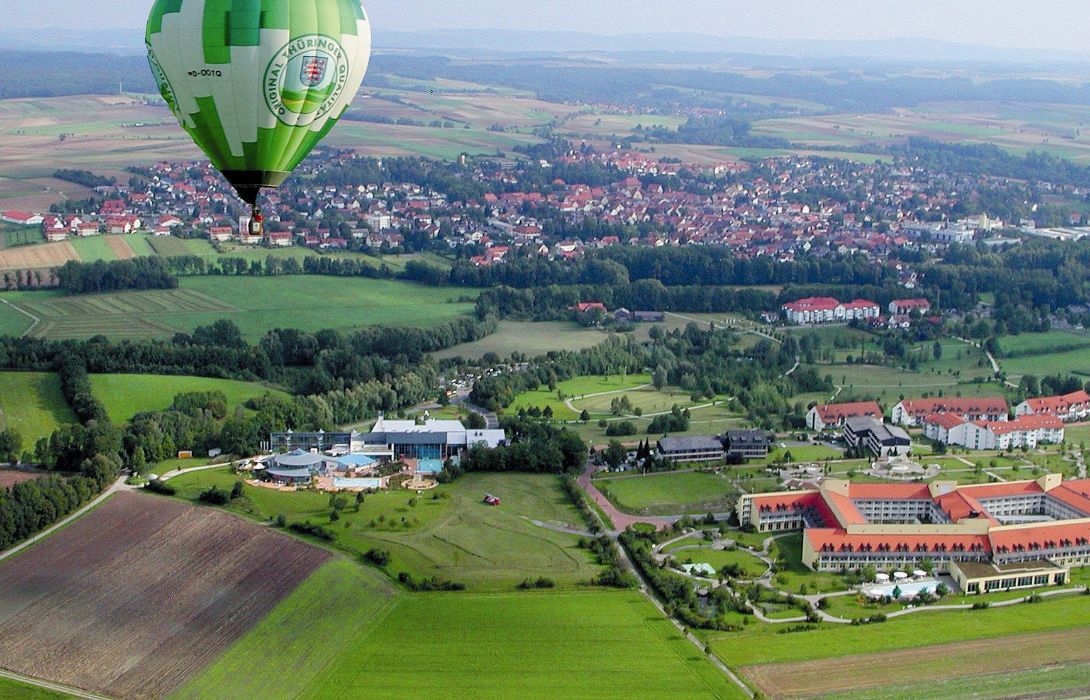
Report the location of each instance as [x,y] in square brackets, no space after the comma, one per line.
[1039,24]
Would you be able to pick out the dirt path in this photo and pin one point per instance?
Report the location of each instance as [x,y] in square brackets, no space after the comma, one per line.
[56,687]
[120,247]
[839,675]
[119,485]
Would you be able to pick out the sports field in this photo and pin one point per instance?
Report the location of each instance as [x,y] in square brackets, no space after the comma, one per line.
[32,404]
[670,493]
[125,395]
[448,532]
[255,304]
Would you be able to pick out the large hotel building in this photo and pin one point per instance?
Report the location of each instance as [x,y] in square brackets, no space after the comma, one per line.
[988,537]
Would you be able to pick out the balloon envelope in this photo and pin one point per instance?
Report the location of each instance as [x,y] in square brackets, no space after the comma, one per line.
[258,83]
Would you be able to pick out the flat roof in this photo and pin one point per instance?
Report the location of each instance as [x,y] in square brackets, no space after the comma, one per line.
[976,569]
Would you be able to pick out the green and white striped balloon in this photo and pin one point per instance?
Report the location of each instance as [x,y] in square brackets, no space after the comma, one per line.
[258,83]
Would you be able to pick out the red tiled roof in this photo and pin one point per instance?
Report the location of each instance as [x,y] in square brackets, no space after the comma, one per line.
[1049,404]
[840,540]
[968,406]
[1026,423]
[944,420]
[835,412]
[843,509]
[1074,494]
[961,506]
[999,490]
[890,492]
[813,304]
[1038,536]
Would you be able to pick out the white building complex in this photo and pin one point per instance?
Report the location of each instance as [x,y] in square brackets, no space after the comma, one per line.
[819,310]
[1028,431]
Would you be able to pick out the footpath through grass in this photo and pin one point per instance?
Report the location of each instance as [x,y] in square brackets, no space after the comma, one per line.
[125,395]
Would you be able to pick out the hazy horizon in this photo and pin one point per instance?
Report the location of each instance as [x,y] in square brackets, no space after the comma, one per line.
[998,23]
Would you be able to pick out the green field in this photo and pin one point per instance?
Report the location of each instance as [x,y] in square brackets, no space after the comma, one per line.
[543,397]
[32,404]
[14,690]
[448,532]
[762,645]
[342,634]
[255,304]
[671,493]
[752,567]
[1051,681]
[530,339]
[1075,362]
[125,395]
[712,420]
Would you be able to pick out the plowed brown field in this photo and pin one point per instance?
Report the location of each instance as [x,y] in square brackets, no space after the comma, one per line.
[142,593]
[36,257]
[120,247]
[10,477]
[839,675]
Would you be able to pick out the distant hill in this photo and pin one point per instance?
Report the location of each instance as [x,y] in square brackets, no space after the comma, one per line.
[900,50]
[56,74]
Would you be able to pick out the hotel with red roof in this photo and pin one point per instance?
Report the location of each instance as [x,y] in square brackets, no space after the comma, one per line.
[977,534]
[1027,431]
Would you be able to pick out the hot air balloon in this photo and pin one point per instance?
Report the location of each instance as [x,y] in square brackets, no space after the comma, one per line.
[258,83]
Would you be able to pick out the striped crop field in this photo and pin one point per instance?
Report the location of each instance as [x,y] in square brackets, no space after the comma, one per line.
[169,246]
[118,315]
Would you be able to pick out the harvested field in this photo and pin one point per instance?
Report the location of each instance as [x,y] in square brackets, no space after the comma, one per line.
[138,596]
[169,246]
[10,477]
[839,675]
[120,247]
[36,257]
[118,315]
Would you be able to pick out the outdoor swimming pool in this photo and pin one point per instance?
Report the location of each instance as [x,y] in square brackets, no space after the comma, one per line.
[909,589]
[342,483]
[430,466]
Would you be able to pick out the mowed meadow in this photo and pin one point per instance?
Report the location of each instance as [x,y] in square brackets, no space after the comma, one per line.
[126,395]
[255,304]
[343,634]
[32,404]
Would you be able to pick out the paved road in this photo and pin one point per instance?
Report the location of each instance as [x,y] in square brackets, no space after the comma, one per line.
[620,520]
[492,422]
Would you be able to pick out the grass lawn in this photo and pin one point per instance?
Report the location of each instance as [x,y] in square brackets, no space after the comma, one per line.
[578,387]
[762,645]
[804,453]
[531,339]
[14,690]
[671,493]
[1069,362]
[795,574]
[31,403]
[125,395]
[752,567]
[93,248]
[447,532]
[648,400]
[532,645]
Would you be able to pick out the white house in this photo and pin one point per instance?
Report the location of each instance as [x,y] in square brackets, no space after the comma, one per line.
[1028,431]
[912,412]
